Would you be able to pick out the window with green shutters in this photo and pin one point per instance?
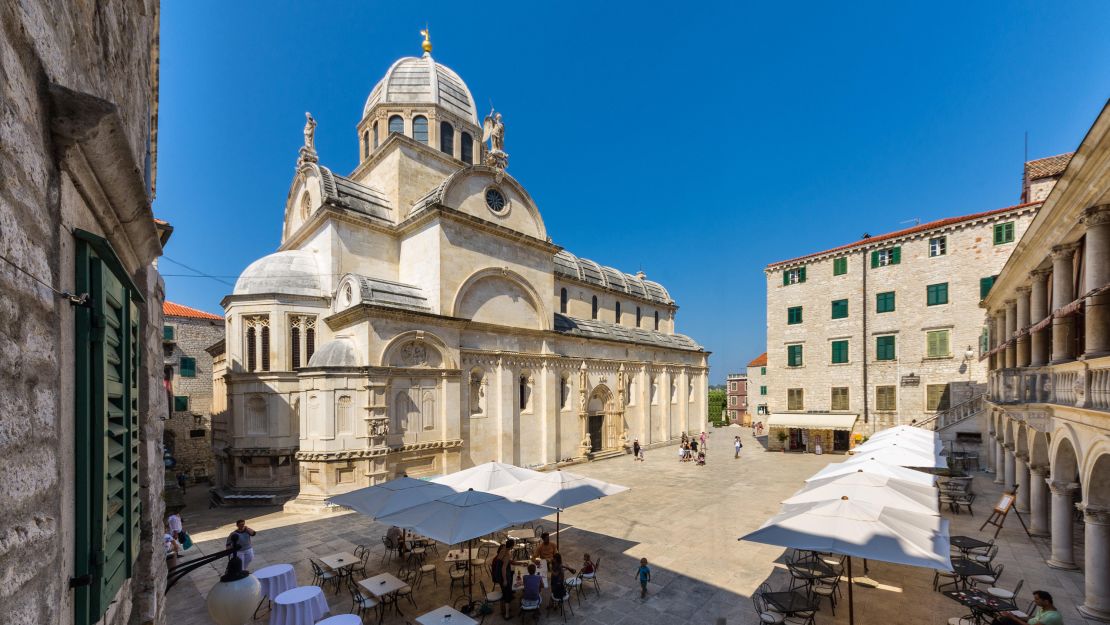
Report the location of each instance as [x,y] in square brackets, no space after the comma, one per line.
[936,397]
[839,352]
[794,315]
[106,429]
[795,399]
[936,294]
[794,276]
[763,390]
[840,398]
[883,258]
[167,333]
[936,344]
[793,355]
[180,403]
[763,371]
[884,302]
[1004,233]
[886,398]
[840,309]
[840,266]
[985,285]
[188,367]
[884,348]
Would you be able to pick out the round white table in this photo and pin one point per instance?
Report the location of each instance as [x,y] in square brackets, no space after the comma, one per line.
[276,579]
[342,619]
[303,605]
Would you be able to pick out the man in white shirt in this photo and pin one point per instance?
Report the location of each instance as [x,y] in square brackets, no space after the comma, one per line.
[174,522]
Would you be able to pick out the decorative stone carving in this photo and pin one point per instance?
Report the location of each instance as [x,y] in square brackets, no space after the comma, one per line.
[585,446]
[414,354]
[1095,216]
[308,150]
[493,130]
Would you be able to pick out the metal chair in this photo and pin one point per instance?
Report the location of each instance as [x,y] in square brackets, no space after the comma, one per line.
[563,602]
[592,577]
[321,576]
[965,501]
[575,584]
[480,561]
[1002,593]
[991,579]
[411,577]
[766,616]
[390,548]
[988,557]
[457,573]
[360,603]
[827,587]
[954,579]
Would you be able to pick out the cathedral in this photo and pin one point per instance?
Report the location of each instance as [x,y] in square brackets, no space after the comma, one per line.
[418,318]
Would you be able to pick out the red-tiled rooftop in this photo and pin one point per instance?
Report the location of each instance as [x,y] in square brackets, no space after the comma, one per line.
[760,361]
[1048,166]
[170,309]
[940,223]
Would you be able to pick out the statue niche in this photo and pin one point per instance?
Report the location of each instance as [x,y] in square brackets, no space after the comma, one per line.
[416,354]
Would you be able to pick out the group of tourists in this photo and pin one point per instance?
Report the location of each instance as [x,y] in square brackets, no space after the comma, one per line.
[501,569]
[692,449]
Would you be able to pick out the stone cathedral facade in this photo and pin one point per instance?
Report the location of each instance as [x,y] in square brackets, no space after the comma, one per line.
[418,318]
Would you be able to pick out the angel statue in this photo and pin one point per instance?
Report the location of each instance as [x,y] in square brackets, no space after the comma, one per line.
[309,132]
[493,130]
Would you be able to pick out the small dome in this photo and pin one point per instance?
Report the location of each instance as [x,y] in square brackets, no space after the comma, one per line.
[420,80]
[340,352]
[293,272]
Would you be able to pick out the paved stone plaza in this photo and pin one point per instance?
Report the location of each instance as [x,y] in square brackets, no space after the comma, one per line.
[683,518]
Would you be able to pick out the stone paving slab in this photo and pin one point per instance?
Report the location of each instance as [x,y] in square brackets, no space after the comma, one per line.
[683,518]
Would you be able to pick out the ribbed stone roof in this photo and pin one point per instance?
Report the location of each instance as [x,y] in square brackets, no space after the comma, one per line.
[346,193]
[595,329]
[420,80]
[292,272]
[586,270]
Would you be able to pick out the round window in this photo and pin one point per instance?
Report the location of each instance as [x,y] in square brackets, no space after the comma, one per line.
[348,295]
[495,200]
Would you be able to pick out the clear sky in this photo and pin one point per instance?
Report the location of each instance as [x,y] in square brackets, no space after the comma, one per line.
[695,141]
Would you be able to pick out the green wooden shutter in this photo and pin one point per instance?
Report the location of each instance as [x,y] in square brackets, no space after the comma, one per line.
[985,285]
[801,274]
[188,367]
[875,259]
[786,277]
[895,255]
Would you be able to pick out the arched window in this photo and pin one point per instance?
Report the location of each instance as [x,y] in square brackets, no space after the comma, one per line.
[657,320]
[618,312]
[564,391]
[344,415]
[639,316]
[420,128]
[397,124]
[466,150]
[563,301]
[525,392]
[266,348]
[365,143]
[252,354]
[446,138]
[295,347]
[309,342]
[376,134]
[594,308]
[256,415]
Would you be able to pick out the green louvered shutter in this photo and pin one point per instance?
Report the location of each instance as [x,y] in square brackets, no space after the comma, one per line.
[801,274]
[786,277]
[875,259]
[895,255]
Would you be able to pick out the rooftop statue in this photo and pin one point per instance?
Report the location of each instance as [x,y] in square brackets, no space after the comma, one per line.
[308,150]
[493,130]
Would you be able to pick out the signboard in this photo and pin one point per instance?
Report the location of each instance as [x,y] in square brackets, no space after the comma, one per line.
[1004,503]
[911,380]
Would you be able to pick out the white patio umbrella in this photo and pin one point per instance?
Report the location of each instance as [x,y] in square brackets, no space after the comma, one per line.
[486,477]
[903,455]
[911,442]
[392,496]
[859,529]
[863,464]
[872,488]
[560,490]
[904,430]
[465,516]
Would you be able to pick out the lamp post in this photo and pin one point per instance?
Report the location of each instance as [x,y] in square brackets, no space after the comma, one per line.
[232,601]
[968,355]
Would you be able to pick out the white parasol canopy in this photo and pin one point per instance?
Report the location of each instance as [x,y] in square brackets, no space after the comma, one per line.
[486,477]
[911,442]
[904,430]
[865,465]
[462,516]
[392,496]
[902,455]
[871,488]
[560,490]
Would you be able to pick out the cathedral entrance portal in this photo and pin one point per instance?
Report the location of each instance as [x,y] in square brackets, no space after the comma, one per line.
[597,427]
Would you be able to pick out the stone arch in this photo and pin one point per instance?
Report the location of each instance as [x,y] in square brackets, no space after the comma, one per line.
[1065,461]
[310,181]
[1038,449]
[464,184]
[601,399]
[1021,445]
[503,297]
[417,349]
[1096,479]
[477,390]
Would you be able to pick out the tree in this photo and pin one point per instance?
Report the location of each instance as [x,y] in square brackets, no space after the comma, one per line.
[717,401]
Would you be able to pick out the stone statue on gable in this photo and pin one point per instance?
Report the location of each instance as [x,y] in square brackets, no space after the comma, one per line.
[493,130]
[308,150]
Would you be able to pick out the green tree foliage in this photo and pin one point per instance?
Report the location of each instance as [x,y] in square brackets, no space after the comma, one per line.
[717,401]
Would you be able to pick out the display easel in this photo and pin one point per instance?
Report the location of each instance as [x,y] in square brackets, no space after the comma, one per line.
[1001,510]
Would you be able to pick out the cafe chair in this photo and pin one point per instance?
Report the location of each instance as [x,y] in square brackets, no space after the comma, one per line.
[492,596]
[766,616]
[563,603]
[964,501]
[480,561]
[963,620]
[1002,593]
[978,551]
[1026,613]
[827,587]
[592,577]
[575,584]
[390,549]
[530,607]
[360,603]
[321,577]
[411,577]
[457,573]
[988,579]
[988,556]
[951,576]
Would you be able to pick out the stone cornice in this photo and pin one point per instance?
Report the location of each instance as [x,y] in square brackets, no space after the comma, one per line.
[430,212]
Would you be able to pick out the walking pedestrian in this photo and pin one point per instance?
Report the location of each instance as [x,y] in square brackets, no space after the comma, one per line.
[644,575]
[737,445]
[242,537]
[635,450]
[702,440]
[173,522]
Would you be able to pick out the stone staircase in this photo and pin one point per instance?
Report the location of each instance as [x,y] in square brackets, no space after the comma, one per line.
[954,415]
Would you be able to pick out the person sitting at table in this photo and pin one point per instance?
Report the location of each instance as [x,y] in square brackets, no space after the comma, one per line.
[587,564]
[533,584]
[396,537]
[547,549]
[502,573]
[1045,614]
[558,579]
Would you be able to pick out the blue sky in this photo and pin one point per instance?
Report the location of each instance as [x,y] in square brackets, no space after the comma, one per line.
[697,142]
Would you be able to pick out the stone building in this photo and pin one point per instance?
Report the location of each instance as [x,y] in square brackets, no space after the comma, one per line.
[1049,391]
[757,388]
[884,331]
[81,301]
[736,392]
[186,335]
[417,318]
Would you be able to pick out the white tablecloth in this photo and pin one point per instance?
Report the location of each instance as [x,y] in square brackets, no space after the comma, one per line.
[303,605]
[445,615]
[342,619]
[276,579]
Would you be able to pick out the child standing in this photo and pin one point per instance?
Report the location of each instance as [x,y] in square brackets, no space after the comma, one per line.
[644,573]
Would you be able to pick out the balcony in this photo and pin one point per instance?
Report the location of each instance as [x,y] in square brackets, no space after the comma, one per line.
[1079,384]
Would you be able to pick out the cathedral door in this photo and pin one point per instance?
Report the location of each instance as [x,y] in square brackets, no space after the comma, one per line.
[597,425]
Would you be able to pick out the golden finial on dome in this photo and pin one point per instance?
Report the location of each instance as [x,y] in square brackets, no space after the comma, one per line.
[427,45]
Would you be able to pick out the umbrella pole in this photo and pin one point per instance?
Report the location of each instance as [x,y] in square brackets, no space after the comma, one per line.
[470,571]
[851,601]
[557,511]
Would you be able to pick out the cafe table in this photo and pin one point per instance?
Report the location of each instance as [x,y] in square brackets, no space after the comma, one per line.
[790,602]
[445,615]
[981,603]
[967,543]
[520,570]
[338,561]
[303,605]
[342,619]
[461,555]
[966,568]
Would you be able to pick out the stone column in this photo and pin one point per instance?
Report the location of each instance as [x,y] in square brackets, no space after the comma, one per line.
[1022,323]
[991,462]
[1063,334]
[1062,525]
[1011,327]
[1038,501]
[1096,569]
[999,459]
[1021,475]
[1096,271]
[1008,472]
[1038,310]
[993,332]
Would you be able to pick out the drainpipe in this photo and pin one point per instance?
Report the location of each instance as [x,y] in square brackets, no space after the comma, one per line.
[863,309]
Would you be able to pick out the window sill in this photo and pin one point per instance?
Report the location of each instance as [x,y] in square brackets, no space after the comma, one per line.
[880,362]
[839,364]
[948,357]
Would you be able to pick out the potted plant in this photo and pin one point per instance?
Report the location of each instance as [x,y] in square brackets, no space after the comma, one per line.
[782,440]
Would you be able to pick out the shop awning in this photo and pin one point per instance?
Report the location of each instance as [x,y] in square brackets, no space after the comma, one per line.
[813,421]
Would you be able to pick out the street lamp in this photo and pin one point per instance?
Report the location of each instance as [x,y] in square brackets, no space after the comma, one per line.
[968,355]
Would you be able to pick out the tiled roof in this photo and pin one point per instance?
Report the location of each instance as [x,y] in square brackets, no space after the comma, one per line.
[170,309]
[760,361]
[594,329]
[1047,167]
[586,270]
[344,192]
[932,225]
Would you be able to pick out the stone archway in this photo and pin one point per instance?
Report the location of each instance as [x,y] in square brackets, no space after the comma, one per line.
[602,420]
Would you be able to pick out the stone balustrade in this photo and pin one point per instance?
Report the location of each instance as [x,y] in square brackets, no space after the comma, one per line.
[1080,384]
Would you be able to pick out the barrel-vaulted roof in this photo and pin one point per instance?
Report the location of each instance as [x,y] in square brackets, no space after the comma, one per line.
[570,266]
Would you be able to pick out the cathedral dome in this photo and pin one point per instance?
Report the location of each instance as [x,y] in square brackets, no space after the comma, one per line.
[420,80]
[340,352]
[292,272]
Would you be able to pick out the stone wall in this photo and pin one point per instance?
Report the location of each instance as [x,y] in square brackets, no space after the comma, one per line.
[192,428]
[106,51]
